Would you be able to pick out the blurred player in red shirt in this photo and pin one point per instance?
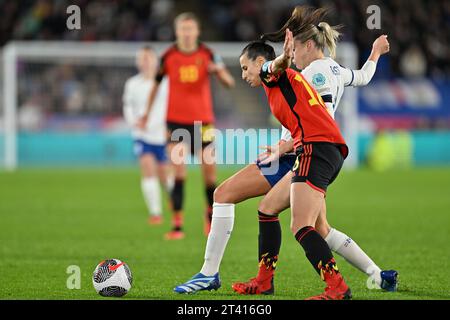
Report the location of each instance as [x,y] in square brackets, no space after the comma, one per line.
[190,118]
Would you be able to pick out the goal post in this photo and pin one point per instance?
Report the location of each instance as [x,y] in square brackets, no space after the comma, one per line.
[10,107]
[122,54]
[47,52]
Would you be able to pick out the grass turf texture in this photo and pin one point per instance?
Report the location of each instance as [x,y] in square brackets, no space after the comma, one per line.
[50,219]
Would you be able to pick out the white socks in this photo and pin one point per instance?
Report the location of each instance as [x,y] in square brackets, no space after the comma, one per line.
[221,227]
[152,195]
[350,251]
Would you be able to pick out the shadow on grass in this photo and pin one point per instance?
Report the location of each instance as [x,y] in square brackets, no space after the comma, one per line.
[421,294]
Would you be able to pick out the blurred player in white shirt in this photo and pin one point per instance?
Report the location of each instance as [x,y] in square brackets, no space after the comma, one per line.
[149,143]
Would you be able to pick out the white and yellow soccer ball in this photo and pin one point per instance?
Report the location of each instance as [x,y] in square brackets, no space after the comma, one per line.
[112,278]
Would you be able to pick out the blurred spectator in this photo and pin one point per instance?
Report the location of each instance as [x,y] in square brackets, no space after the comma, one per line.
[413,63]
[419,32]
[31,116]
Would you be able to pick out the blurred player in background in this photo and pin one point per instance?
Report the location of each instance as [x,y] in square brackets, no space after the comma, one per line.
[188,65]
[149,141]
[328,78]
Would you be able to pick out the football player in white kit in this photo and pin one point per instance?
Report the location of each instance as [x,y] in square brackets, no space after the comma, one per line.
[329,80]
[150,143]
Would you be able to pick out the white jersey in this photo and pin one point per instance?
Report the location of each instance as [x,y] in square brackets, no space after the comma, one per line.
[329,79]
[135,98]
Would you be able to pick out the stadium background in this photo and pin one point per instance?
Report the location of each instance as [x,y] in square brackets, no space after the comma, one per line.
[74,149]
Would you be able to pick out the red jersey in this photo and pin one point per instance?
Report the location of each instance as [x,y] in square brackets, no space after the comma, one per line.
[189,86]
[300,109]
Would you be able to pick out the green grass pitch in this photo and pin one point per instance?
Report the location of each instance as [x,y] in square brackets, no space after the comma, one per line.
[51,219]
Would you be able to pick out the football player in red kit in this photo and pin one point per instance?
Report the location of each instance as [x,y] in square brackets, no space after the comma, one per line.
[319,146]
[188,65]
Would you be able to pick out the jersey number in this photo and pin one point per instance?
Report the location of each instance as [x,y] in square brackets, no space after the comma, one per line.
[313,100]
[188,73]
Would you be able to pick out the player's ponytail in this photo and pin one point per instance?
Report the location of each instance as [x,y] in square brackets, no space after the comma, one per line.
[306,23]
[327,37]
[294,24]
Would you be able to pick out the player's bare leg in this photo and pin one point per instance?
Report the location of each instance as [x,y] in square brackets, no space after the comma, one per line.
[166,178]
[306,206]
[166,175]
[273,203]
[150,187]
[177,153]
[245,184]
[322,226]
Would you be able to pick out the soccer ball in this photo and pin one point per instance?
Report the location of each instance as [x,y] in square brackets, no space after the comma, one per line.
[112,278]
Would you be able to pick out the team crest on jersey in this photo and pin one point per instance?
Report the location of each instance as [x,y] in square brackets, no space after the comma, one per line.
[318,80]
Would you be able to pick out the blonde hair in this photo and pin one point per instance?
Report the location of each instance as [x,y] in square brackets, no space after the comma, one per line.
[306,24]
[186,16]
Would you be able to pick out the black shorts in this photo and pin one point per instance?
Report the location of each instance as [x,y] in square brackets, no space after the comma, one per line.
[318,164]
[197,137]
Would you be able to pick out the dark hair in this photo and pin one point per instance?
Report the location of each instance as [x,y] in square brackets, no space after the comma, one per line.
[306,23]
[257,49]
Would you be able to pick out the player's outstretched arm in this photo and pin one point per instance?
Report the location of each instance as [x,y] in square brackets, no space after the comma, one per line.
[151,98]
[222,74]
[283,61]
[363,76]
[379,47]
